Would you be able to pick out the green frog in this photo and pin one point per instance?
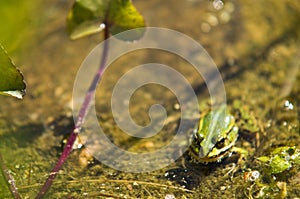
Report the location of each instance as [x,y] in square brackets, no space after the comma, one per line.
[215,136]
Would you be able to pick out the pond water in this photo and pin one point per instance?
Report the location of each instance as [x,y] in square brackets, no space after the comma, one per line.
[256,48]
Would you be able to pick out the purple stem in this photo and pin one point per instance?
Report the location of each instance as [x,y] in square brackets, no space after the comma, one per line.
[80,118]
[9,179]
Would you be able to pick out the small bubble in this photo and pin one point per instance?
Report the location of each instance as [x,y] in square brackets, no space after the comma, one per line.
[135,184]
[254,176]
[212,20]
[205,27]
[229,7]
[288,105]
[176,106]
[225,17]
[169,196]
[102,26]
[251,176]
[218,4]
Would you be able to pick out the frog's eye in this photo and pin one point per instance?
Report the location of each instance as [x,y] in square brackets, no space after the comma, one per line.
[220,144]
[199,136]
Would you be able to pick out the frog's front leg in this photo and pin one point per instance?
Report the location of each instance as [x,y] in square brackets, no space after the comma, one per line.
[242,156]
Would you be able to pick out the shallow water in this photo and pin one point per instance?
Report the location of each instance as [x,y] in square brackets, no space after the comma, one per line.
[255,47]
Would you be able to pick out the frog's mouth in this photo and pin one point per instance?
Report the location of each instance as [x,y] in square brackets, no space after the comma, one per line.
[197,157]
[214,147]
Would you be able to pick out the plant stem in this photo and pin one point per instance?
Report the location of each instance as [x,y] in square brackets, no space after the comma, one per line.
[80,118]
[9,179]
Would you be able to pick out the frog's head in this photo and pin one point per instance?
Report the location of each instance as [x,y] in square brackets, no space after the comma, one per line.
[217,133]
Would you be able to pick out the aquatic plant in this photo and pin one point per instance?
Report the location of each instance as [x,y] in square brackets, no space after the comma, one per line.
[12,84]
[88,17]
[11,79]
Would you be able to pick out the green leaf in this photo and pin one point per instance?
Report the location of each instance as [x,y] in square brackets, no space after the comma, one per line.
[89,16]
[263,158]
[282,158]
[279,164]
[11,80]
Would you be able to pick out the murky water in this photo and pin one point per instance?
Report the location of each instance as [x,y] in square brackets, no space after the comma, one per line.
[255,46]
